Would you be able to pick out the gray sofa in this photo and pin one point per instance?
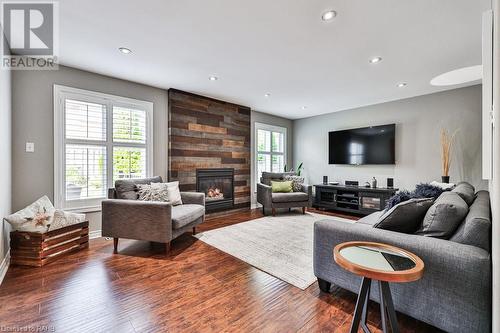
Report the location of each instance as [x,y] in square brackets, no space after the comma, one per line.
[124,216]
[268,199]
[455,291]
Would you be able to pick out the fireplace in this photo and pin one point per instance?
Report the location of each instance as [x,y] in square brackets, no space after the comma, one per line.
[218,186]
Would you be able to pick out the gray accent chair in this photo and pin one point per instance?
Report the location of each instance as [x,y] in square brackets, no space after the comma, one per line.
[268,199]
[454,293]
[124,216]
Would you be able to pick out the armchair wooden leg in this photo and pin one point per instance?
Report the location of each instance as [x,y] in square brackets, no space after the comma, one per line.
[194,230]
[115,245]
[263,210]
[167,248]
[274,211]
[303,210]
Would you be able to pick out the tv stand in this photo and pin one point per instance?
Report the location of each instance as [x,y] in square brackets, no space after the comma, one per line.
[352,199]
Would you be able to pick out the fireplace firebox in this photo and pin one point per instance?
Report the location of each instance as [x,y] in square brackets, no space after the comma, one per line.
[218,186]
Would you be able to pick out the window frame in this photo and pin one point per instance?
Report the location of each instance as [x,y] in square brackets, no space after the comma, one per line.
[61,93]
[270,128]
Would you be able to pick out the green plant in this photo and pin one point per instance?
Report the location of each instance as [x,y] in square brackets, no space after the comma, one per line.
[299,169]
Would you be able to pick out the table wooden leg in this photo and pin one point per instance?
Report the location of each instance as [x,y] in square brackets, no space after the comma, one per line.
[358,311]
[390,306]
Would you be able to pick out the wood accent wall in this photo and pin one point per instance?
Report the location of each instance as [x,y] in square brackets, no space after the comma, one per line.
[208,133]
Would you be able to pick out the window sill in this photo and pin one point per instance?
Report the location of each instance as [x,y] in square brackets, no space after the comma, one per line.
[90,209]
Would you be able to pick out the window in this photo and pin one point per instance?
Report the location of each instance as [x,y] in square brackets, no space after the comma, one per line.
[270,149]
[98,139]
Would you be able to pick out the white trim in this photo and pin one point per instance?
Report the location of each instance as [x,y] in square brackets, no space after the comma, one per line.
[4,266]
[63,92]
[271,128]
[95,234]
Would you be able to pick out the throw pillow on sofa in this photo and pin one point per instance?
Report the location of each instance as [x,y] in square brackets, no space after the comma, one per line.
[444,216]
[297,182]
[173,192]
[466,191]
[35,218]
[281,187]
[405,217]
[163,192]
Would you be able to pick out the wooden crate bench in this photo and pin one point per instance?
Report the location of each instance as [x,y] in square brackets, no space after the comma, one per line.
[35,249]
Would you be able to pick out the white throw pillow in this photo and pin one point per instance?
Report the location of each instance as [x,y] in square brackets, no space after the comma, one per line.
[63,219]
[174,194]
[35,218]
[153,192]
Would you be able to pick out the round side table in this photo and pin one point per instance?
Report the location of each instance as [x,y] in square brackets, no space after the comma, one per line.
[383,263]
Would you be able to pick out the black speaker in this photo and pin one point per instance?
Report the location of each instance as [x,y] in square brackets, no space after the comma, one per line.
[390,182]
[325,180]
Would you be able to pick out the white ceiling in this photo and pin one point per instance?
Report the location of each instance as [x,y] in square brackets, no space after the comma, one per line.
[281,47]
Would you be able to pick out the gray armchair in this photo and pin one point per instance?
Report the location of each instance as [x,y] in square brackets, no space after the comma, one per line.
[124,216]
[281,200]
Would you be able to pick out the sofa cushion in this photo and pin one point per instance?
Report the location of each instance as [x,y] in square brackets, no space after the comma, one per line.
[279,176]
[371,219]
[406,216]
[290,197]
[476,228]
[444,216]
[127,189]
[182,215]
[465,191]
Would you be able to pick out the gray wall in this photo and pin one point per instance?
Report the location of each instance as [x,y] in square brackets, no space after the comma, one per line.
[418,124]
[260,117]
[5,158]
[33,121]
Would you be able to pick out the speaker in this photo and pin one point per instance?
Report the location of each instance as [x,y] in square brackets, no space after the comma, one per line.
[390,182]
[325,180]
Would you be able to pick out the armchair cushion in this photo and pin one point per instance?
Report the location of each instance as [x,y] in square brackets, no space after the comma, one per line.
[290,197]
[183,215]
[277,176]
[127,189]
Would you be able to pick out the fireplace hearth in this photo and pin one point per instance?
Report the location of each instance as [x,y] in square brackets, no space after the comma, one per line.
[218,186]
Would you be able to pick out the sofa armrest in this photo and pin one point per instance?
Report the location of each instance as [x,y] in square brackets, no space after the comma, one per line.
[308,189]
[457,276]
[195,198]
[264,195]
[134,219]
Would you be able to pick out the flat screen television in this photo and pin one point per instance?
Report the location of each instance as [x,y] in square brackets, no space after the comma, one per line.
[367,145]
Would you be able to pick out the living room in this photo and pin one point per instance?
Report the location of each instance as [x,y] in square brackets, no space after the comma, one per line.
[229,166]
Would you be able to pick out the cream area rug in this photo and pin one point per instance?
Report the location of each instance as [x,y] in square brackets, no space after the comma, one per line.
[281,246]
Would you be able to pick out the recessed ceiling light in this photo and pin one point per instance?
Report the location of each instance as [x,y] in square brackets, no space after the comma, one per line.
[459,76]
[267,95]
[213,78]
[304,107]
[125,50]
[402,85]
[375,60]
[327,16]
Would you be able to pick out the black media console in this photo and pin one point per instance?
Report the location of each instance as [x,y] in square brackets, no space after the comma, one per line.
[352,199]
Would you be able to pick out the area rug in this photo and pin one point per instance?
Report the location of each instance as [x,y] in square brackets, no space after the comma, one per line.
[281,246]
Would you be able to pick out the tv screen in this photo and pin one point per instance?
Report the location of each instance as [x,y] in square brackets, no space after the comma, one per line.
[368,145]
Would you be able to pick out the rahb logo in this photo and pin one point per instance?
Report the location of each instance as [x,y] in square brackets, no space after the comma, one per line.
[30,35]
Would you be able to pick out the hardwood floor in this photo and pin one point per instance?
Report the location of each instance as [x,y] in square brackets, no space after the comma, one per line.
[197,288]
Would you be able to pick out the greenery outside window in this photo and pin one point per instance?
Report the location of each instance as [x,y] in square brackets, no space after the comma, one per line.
[98,139]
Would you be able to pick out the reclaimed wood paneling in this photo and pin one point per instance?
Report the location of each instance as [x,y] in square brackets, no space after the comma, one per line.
[208,133]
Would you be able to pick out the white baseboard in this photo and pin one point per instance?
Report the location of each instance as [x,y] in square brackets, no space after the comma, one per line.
[95,234]
[4,266]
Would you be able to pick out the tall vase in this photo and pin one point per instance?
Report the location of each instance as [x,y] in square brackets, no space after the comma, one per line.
[445,179]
